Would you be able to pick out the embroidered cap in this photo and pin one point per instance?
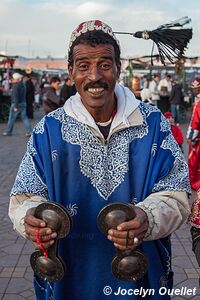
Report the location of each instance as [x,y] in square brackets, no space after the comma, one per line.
[195,83]
[88,26]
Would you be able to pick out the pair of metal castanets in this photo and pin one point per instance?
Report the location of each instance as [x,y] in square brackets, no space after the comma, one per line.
[46,264]
[128,265]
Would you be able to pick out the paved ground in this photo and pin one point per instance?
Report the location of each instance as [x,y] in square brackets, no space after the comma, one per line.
[15,271]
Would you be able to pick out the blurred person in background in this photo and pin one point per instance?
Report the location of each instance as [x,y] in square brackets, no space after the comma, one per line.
[30,96]
[67,90]
[164,89]
[153,86]
[175,99]
[37,92]
[18,106]
[144,82]
[146,95]
[51,100]
[44,84]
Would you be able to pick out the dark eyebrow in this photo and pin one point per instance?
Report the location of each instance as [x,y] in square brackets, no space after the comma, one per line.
[86,58]
[107,57]
[81,58]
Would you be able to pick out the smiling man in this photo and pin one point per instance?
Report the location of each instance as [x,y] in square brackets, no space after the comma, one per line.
[104,146]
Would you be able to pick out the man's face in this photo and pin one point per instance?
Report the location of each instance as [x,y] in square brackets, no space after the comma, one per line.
[56,85]
[171,120]
[168,78]
[95,73]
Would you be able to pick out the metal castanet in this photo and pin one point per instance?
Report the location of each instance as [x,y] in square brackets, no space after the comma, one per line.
[46,264]
[129,264]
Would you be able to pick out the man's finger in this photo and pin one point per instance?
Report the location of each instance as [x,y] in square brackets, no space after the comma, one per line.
[123,234]
[44,238]
[32,231]
[32,221]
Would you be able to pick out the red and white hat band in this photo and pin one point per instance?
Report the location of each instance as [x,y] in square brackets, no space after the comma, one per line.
[91,26]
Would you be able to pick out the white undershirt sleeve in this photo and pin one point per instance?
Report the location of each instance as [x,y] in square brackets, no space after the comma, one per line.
[19,204]
[166,211]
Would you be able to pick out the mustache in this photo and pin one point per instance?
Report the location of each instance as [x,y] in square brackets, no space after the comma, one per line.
[97,84]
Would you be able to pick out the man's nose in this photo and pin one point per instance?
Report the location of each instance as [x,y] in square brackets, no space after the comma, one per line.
[94,74]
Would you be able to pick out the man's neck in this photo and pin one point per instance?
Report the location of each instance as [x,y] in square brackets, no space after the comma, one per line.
[104,114]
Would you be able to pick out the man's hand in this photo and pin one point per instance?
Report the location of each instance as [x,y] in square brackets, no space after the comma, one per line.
[136,227]
[15,109]
[31,223]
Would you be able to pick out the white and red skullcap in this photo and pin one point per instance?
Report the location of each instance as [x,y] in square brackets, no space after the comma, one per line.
[91,25]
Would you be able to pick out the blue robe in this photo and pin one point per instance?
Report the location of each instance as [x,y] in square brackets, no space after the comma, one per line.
[66,163]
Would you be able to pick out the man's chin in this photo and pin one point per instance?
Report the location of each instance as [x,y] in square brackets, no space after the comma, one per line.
[94,104]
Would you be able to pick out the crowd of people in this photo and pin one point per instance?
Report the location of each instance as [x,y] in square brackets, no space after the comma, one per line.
[28,94]
[165,92]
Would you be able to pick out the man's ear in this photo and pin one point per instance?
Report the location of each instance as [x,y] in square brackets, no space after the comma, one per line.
[70,71]
[118,69]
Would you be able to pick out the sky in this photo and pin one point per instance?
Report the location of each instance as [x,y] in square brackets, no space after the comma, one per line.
[42,28]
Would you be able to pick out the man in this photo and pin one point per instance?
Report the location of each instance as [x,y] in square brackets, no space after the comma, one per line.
[18,106]
[193,139]
[67,90]
[175,99]
[146,95]
[30,96]
[103,146]
[153,86]
[51,100]
[164,89]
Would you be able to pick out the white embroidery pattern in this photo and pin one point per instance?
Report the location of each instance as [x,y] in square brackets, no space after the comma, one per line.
[30,147]
[154,149]
[57,114]
[164,124]
[72,209]
[54,155]
[27,180]
[105,166]
[39,128]
[147,109]
[178,178]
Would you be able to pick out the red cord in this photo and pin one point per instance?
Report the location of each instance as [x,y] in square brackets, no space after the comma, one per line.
[40,242]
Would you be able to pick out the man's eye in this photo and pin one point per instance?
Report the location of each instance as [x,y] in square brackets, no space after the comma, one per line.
[83,67]
[105,66]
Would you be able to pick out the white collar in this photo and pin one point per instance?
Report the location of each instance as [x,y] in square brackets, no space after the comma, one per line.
[128,113]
